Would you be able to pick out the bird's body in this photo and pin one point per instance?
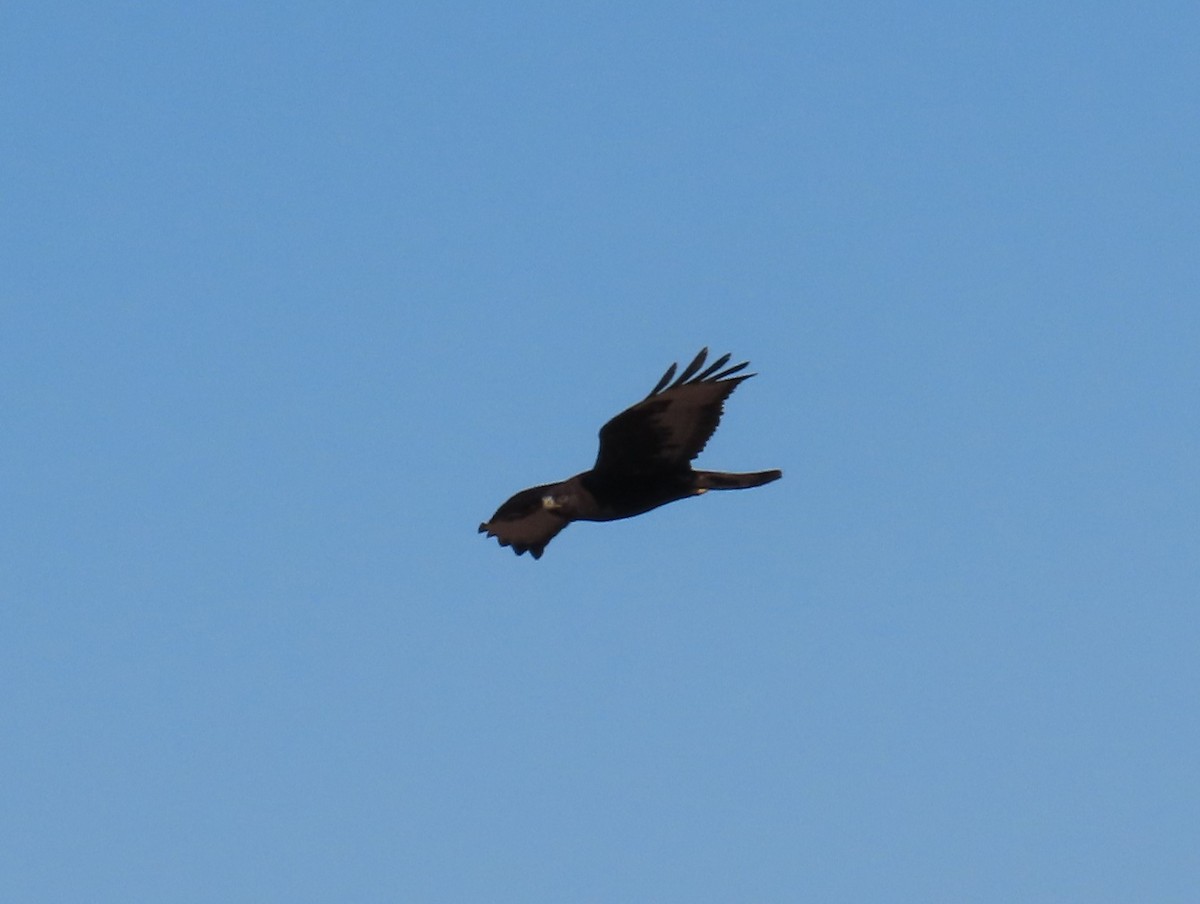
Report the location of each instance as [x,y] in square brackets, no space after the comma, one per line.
[644,462]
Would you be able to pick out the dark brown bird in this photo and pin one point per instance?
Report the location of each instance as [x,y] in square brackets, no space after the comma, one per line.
[645,461]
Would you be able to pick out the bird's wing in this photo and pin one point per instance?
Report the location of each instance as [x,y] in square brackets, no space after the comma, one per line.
[524,523]
[671,426]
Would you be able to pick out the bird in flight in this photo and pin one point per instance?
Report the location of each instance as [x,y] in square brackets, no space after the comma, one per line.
[645,461]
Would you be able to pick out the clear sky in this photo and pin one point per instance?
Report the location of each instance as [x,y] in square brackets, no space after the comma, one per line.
[295,294]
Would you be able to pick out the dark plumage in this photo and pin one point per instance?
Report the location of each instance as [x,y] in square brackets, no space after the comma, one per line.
[645,461]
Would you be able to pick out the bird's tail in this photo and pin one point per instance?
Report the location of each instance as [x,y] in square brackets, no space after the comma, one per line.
[721,480]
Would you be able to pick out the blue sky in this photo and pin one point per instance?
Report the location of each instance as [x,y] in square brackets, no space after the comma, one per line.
[294,295]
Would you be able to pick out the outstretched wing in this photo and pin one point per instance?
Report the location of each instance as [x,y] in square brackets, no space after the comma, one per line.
[524,523]
[671,426]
